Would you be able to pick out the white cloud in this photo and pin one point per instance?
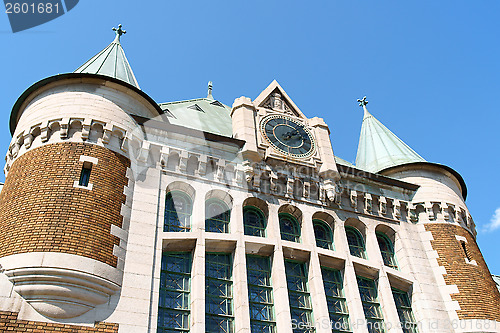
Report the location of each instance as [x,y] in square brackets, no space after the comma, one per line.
[494,221]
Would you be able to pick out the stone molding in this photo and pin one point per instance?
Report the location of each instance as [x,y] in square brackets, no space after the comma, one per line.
[60,285]
[87,130]
[242,174]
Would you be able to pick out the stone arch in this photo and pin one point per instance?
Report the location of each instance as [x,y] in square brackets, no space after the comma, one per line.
[211,171]
[54,127]
[75,128]
[420,212]
[357,224]
[257,203]
[192,165]
[96,132]
[221,195]
[356,237]
[386,239]
[183,187]
[179,201]
[218,206]
[436,209]
[388,231]
[290,220]
[325,217]
[35,133]
[323,229]
[173,160]
[292,210]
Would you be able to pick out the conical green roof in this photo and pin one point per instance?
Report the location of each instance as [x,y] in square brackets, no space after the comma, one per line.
[379,148]
[111,62]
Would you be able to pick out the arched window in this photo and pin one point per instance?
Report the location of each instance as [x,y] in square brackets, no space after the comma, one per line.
[387,250]
[217,216]
[254,221]
[323,234]
[178,208]
[355,241]
[289,228]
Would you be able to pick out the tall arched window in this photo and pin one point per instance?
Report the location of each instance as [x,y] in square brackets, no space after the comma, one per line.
[254,221]
[178,209]
[323,234]
[289,228]
[355,241]
[387,250]
[217,216]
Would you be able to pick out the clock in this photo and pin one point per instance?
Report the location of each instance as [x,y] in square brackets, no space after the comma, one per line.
[288,136]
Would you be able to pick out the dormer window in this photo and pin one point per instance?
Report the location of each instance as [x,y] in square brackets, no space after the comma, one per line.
[196,107]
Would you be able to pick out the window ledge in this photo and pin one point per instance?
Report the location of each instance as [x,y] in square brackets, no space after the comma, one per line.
[88,187]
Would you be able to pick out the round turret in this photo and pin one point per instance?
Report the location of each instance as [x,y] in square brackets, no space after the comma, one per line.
[64,206]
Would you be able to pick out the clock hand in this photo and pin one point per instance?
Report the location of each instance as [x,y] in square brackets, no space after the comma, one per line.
[288,135]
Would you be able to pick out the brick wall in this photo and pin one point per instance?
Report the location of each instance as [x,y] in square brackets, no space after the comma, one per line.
[10,323]
[41,211]
[478,295]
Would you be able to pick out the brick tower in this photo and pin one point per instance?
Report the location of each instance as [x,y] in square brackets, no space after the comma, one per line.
[63,210]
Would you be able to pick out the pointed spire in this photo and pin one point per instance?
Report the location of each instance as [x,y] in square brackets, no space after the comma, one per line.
[210,86]
[111,61]
[378,147]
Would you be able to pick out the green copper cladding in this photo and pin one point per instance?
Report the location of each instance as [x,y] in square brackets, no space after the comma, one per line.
[111,62]
[379,148]
[204,114]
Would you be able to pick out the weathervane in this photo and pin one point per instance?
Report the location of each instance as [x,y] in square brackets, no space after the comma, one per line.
[119,32]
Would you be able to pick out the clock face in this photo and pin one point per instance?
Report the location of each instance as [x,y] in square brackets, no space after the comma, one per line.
[288,136]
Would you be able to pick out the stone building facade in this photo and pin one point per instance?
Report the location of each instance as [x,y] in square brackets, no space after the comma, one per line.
[121,214]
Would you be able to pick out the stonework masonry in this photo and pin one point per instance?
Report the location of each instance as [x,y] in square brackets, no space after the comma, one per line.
[41,210]
[10,323]
[181,179]
[477,291]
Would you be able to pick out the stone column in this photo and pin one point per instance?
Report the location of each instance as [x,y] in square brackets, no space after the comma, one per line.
[280,290]
[318,298]
[198,288]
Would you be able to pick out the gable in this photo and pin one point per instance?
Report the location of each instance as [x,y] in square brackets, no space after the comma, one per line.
[275,98]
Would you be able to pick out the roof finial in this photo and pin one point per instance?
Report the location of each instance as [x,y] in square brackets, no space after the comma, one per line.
[209,95]
[119,32]
[362,102]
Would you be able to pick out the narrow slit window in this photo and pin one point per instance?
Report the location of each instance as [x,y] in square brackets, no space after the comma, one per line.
[464,248]
[85,174]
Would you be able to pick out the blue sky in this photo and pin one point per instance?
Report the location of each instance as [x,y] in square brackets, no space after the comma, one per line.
[430,69]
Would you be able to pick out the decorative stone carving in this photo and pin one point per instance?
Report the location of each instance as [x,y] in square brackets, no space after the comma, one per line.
[368,203]
[53,286]
[382,205]
[248,170]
